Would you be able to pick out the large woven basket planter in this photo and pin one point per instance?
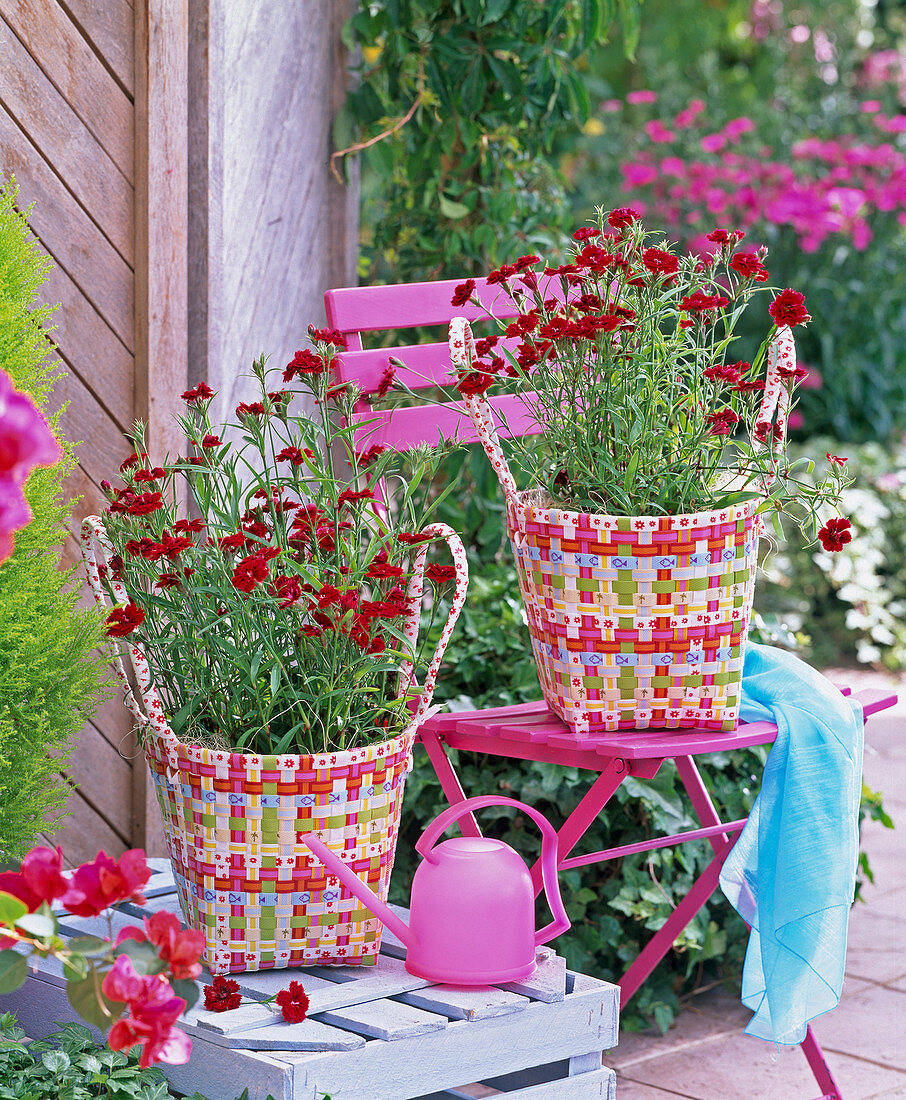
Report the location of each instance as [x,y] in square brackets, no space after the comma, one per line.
[637,622]
[232,822]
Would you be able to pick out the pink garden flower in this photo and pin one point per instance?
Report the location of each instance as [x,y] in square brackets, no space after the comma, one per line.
[26,441]
[153,1009]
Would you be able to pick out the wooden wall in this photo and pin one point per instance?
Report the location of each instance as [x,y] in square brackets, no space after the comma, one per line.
[176,152]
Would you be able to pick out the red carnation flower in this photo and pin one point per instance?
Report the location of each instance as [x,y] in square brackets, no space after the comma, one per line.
[293,1003]
[440,574]
[788,308]
[835,534]
[463,293]
[327,336]
[168,580]
[722,422]
[379,570]
[202,392]
[135,459]
[188,526]
[386,382]
[222,995]
[144,504]
[622,218]
[371,454]
[836,460]
[304,362]
[295,455]
[212,441]
[701,303]
[749,265]
[156,473]
[586,233]
[659,262]
[123,620]
[501,274]
[412,538]
[349,496]
[474,382]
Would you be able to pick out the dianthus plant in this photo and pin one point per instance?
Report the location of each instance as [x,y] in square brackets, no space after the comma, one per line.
[274,620]
[626,358]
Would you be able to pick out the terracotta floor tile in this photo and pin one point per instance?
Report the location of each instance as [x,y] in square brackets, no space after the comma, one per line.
[869,1024]
[740,1068]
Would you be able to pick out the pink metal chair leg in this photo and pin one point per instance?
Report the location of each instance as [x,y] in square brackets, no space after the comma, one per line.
[819,1067]
[662,940]
[575,826]
[449,780]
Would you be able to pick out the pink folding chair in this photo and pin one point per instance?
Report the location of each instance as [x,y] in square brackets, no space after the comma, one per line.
[530,731]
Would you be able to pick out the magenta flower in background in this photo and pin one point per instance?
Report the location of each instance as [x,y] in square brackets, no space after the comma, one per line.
[26,441]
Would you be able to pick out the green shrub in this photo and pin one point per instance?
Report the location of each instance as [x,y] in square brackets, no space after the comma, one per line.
[458,103]
[70,1065]
[50,678]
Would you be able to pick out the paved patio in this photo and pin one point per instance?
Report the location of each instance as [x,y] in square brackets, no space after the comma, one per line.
[706,1056]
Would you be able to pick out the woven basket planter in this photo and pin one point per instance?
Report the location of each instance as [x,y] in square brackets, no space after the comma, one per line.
[637,622]
[232,821]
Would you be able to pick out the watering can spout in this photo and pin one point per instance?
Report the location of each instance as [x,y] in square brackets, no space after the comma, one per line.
[352,882]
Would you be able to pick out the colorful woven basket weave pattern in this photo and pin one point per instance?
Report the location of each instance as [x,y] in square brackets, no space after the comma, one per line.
[637,622]
[262,900]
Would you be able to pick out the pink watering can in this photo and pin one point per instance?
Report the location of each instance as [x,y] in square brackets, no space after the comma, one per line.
[472,912]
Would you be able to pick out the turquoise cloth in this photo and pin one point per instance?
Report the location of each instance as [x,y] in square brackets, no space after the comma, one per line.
[791,874]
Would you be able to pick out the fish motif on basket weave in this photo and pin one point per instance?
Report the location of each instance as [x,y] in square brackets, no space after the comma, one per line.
[637,622]
[261,899]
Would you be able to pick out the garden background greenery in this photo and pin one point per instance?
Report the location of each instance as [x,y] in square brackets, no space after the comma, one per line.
[495,128]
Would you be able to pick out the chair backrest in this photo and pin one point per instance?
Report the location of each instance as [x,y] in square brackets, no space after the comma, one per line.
[364,311]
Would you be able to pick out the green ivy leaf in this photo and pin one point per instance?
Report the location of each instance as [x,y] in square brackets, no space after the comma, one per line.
[13,971]
[57,1061]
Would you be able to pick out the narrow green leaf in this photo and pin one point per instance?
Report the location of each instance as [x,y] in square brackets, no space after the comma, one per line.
[88,945]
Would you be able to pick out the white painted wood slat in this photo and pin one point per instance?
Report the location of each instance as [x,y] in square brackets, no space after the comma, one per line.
[385,1019]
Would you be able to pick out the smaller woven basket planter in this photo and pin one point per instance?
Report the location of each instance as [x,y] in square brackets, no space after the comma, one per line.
[232,822]
[637,621]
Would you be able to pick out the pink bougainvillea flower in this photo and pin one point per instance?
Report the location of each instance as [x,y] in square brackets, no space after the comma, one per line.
[153,1010]
[39,879]
[293,1003]
[835,534]
[26,441]
[179,947]
[106,881]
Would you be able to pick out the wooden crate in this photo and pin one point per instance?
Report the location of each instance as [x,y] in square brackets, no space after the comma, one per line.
[376,1033]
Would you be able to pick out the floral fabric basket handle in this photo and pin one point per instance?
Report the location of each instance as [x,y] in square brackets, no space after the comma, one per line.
[413,615]
[774,406]
[94,537]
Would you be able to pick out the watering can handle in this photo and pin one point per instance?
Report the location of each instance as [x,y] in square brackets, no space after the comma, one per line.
[443,821]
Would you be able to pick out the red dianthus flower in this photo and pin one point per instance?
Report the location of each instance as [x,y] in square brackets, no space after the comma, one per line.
[788,308]
[835,534]
[293,1003]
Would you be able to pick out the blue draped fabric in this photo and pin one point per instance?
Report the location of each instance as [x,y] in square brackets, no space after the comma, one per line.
[791,874]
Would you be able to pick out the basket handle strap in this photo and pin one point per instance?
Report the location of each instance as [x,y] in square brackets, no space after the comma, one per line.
[462,353]
[413,616]
[94,538]
[773,412]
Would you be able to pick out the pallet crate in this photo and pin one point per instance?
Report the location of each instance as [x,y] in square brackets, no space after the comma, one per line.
[374,1033]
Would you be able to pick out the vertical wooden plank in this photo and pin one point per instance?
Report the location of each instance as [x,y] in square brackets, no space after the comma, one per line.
[161,277]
